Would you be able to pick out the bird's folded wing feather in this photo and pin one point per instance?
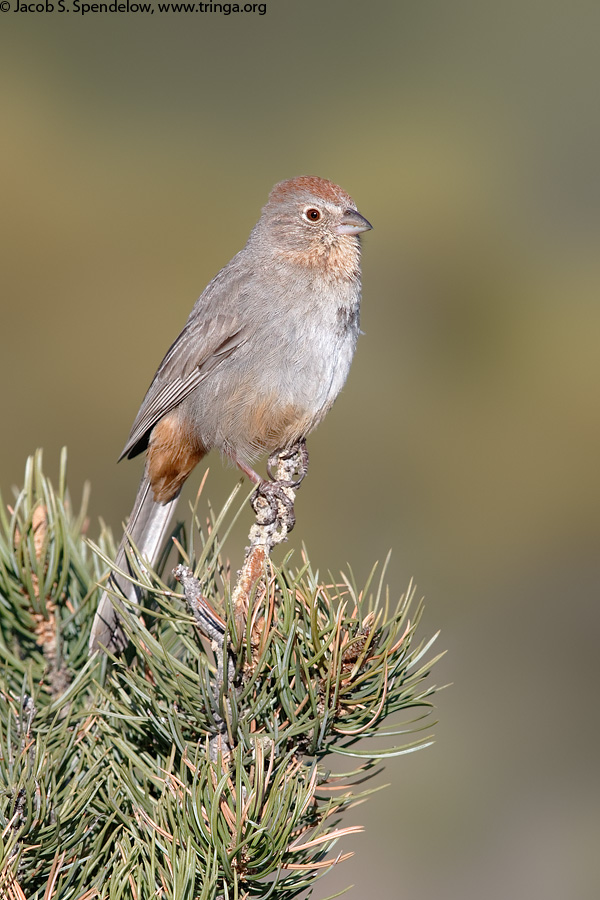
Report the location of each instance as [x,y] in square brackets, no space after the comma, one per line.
[204,344]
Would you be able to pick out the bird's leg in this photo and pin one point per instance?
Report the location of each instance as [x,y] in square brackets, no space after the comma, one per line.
[264,499]
[249,472]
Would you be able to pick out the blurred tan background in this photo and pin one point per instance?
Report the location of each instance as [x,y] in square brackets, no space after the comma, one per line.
[136,153]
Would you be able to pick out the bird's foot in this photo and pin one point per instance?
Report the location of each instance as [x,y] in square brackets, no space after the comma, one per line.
[273,502]
[284,464]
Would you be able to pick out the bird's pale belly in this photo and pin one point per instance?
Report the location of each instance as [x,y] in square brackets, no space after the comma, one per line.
[258,418]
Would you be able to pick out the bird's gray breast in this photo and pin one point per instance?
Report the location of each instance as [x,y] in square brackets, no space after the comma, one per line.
[326,341]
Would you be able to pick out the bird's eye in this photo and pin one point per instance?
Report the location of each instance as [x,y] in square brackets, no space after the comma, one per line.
[312,214]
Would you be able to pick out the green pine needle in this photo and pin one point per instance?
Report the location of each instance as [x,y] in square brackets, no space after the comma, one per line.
[140,776]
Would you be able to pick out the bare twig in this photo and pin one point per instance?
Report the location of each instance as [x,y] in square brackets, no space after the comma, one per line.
[214,628]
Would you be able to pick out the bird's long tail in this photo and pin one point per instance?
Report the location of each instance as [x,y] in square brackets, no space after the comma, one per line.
[147,527]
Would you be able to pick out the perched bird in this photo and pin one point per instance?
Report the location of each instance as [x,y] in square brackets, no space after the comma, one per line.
[261,359]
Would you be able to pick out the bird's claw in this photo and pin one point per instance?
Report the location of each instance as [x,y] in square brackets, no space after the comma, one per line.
[297,453]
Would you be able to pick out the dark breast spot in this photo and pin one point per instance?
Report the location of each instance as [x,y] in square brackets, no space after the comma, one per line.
[348,318]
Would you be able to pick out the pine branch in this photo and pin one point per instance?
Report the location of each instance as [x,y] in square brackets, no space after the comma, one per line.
[197,766]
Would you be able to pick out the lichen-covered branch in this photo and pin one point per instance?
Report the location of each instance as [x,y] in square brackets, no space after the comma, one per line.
[273,505]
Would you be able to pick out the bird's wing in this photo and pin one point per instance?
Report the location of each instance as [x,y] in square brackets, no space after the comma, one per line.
[204,343]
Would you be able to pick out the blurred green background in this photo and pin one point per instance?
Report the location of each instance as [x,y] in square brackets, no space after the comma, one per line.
[136,154]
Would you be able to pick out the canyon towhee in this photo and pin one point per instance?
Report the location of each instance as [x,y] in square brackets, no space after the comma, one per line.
[261,359]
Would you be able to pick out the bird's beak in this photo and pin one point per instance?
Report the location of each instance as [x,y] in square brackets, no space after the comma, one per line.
[352,223]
